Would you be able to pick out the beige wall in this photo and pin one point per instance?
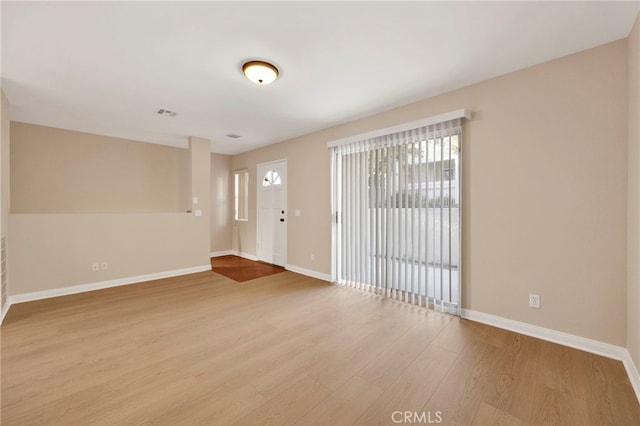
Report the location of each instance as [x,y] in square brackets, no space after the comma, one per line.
[200,166]
[308,190]
[5,160]
[4,188]
[545,180]
[50,251]
[633,200]
[221,202]
[64,171]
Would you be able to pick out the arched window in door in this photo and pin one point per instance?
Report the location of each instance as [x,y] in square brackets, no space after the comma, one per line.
[271,178]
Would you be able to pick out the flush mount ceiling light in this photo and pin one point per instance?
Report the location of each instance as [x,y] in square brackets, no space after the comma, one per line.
[260,72]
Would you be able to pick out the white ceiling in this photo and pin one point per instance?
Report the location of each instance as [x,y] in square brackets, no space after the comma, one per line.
[107,67]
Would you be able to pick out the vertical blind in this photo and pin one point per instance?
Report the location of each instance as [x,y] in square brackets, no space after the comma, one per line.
[396,201]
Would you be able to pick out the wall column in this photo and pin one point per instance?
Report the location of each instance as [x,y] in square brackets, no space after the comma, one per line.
[4,199]
[200,174]
[633,198]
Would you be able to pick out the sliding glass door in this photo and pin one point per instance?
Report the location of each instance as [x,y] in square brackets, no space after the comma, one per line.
[397,215]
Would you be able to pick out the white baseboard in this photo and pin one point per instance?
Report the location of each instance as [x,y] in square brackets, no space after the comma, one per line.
[632,372]
[308,272]
[64,291]
[5,309]
[245,255]
[221,253]
[588,345]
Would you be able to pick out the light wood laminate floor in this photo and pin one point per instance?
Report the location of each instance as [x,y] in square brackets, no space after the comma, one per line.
[286,349]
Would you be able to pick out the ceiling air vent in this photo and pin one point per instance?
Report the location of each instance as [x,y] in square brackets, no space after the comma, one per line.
[166,112]
[232,136]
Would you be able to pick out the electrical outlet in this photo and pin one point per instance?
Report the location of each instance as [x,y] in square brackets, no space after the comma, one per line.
[313,257]
[95,267]
[534,301]
[104,266]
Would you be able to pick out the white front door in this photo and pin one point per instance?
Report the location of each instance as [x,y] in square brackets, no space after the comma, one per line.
[272,212]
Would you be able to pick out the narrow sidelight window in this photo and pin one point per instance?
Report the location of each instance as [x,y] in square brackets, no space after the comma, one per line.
[241,194]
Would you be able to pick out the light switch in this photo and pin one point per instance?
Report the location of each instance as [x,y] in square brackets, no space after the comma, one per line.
[195,200]
[197,212]
[297,212]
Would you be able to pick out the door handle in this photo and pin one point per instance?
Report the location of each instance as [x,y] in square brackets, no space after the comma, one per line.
[281,219]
